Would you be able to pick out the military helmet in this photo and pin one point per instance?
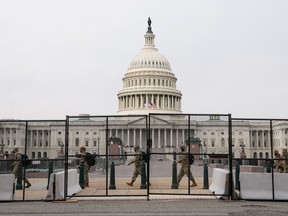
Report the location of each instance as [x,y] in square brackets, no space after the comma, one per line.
[183,147]
[136,148]
[82,149]
[276,151]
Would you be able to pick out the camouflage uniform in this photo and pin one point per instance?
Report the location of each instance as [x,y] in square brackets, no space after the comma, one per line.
[185,167]
[15,166]
[285,160]
[137,161]
[86,166]
[277,162]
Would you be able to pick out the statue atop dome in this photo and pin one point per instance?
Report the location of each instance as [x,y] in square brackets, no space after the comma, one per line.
[149,26]
[149,22]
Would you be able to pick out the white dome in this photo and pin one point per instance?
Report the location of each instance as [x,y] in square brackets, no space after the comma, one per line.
[149,85]
[149,58]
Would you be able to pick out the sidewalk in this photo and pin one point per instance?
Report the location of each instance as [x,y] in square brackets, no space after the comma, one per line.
[159,189]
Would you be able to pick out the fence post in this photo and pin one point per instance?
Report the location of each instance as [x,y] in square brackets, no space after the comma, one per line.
[19,177]
[50,171]
[174,173]
[237,172]
[112,176]
[205,174]
[143,176]
[268,167]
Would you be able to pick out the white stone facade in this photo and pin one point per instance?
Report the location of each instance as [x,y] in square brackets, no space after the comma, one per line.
[149,86]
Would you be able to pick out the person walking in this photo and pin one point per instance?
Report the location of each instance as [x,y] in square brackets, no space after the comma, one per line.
[185,166]
[83,158]
[137,161]
[15,166]
[277,162]
[285,160]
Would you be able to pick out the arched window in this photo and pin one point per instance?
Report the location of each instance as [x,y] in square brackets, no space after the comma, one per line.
[261,155]
[77,142]
[255,155]
[222,142]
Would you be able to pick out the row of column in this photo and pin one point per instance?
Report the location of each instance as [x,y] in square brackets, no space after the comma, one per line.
[144,101]
[260,141]
[39,138]
[160,137]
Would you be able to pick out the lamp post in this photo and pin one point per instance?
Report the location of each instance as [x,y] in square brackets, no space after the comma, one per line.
[61,151]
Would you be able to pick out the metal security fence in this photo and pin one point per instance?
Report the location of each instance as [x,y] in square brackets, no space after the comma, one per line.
[258,167]
[42,144]
[240,147]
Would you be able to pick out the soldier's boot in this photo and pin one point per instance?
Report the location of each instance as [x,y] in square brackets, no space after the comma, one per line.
[194,184]
[28,184]
[130,183]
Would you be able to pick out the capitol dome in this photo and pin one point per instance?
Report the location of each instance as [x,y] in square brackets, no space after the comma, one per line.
[149,85]
[149,58]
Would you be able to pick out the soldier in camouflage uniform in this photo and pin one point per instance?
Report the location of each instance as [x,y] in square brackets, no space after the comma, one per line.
[285,160]
[15,166]
[277,162]
[137,161]
[83,159]
[185,166]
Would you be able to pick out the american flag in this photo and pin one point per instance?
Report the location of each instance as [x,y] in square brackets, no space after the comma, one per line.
[152,105]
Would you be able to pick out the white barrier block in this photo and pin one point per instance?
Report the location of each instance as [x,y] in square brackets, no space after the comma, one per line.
[220,182]
[58,179]
[7,186]
[281,186]
[256,186]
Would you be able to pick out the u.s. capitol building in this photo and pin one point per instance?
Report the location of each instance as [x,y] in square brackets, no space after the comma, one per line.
[149,86]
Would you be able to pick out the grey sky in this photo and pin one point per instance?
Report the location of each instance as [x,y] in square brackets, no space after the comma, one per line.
[66,57]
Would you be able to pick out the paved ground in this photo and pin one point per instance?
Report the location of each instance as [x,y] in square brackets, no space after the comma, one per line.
[126,207]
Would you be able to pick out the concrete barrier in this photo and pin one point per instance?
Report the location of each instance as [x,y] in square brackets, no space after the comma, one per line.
[7,186]
[56,185]
[258,186]
[220,182]
[249,168]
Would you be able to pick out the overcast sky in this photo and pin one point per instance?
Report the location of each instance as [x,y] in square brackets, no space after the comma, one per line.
[68,57]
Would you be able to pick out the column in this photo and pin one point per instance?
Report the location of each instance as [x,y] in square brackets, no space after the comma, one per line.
[263,141]
[122,135]
[4,137]
[128,137]
[268,141]
[257,140]
[177,138]
[159,140]
[116,133]
[31,139]
[140,135]
[11,140]
[163,102]
[171,137]
[134,137]
[165,138]
[183,136]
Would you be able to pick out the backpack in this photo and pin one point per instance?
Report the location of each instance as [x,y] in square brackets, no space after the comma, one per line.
[25,160]
[191,159]
[145,157]
[90,159]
